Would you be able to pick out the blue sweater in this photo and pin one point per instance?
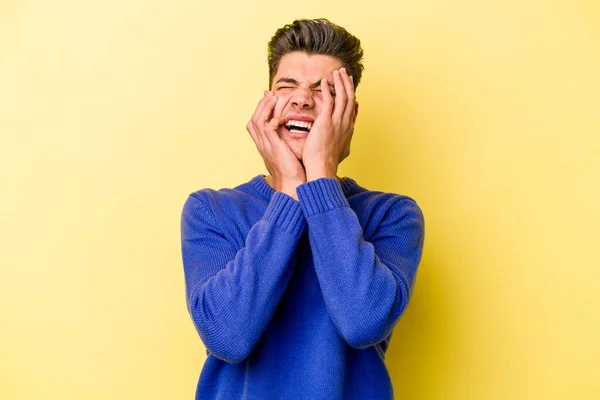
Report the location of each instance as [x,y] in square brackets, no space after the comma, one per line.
[298,299]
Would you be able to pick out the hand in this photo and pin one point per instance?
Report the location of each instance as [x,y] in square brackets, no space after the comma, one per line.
[282,164]
[328,143]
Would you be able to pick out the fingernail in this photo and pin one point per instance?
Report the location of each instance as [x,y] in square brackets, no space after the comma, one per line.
[343,70]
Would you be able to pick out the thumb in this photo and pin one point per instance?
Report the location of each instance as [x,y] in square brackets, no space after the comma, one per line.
[275,122]
[272,127]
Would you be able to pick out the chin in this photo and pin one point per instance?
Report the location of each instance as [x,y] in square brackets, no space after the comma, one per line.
[296,149]
[298,154]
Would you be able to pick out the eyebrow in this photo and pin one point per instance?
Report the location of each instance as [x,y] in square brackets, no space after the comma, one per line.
[295,82]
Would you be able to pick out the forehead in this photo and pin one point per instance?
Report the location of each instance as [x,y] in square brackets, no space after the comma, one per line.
[302,66]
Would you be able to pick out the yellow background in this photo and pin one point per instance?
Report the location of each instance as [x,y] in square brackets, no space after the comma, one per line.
[486,113]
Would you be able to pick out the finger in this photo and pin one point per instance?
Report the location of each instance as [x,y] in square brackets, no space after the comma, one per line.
[255,137]
[350,95]
[340,96]
[252,124]
[271,130]
[266,111]
[260,104]
[260,118]
[259,109]
[327,99]
[264,129]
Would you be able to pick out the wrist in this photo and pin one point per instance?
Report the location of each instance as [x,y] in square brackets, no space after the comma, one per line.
[290,191]
[289,188]
[320,172]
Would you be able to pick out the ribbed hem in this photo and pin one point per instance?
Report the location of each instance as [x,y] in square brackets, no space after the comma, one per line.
[286,213]
[321,195]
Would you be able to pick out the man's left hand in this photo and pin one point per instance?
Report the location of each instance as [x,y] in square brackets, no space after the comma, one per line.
[328,142]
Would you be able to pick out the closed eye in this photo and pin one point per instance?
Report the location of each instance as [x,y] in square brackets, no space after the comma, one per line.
[331,92]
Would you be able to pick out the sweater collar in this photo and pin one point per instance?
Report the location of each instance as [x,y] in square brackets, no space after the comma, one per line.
[266,191]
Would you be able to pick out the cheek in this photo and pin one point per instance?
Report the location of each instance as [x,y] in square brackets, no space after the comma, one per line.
[318,106]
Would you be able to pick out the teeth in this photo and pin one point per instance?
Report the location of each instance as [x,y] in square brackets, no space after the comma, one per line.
[303,124]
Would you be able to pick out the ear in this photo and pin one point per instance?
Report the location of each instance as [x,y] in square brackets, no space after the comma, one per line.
[355,111]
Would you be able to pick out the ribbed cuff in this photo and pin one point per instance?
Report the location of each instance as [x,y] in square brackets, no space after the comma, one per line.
[286,213]
[321,195]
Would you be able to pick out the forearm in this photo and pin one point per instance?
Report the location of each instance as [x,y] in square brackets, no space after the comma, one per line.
[366,286]
[233,298]
[363,296]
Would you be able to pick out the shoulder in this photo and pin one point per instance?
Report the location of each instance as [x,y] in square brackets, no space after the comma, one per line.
[223,197]
[377,201]
[225,207]
[375,209]
[218,201]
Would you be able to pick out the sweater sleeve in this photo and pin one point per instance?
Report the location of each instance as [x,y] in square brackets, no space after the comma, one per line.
[366,284]
[232,294]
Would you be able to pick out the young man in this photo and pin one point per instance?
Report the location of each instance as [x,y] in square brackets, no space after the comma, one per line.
[295,280]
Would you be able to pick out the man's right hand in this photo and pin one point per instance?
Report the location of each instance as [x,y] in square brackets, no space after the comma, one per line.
[282,164]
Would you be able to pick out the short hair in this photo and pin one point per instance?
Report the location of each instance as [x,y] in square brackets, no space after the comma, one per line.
[316,36]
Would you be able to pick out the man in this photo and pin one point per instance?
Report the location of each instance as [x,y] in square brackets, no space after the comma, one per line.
[295,280]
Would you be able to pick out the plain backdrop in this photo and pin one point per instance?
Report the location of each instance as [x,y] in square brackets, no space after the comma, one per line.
[113,112]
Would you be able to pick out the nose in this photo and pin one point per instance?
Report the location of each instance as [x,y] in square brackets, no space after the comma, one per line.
[302,98]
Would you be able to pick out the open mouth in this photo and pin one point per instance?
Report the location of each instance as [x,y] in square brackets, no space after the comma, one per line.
[295,126]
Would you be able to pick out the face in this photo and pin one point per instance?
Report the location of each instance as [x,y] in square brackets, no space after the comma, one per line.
[297,85]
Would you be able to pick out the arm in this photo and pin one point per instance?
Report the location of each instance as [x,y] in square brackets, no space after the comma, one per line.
[366,284]
[232,295]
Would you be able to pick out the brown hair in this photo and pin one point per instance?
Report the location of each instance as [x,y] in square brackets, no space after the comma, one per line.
[316,36]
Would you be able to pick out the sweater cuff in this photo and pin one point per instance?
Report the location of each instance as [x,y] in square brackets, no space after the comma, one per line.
[321,195]
[286,213]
